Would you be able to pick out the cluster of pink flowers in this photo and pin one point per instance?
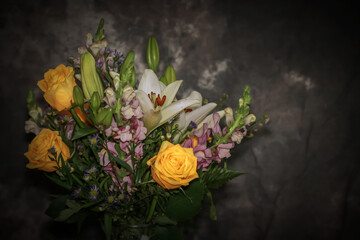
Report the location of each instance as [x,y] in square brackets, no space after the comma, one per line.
[130,133]
[204,136]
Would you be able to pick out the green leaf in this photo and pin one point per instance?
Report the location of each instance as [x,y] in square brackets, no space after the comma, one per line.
[107,225]
[165,233]
[212,207]
[82,132]
[65,214]
[56,206]
[122,163]
[164,220]
[217,176]
[185,205]
[55,179]
[73,204]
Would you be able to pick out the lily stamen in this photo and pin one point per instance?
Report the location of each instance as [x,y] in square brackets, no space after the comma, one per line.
[157,101]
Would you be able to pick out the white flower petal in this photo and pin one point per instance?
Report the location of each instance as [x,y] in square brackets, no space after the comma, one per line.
[170,92]
[162,86]
[199,114]
[144,100]
[172,110]
[196,96]
[149,82]
[175,108]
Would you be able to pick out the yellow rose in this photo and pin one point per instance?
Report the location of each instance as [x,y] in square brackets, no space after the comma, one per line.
[58,86]
[174,166]
[38,153]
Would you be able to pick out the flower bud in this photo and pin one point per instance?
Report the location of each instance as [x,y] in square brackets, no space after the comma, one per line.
[132,79]
[116,81]
[110,96]
[127,67]
[114,74]
[30,100]
[152,54]
[95,101]
[170,75]
[104,117]
[90,79]
[249,119]
[78,96]
[241,102]
[229,115]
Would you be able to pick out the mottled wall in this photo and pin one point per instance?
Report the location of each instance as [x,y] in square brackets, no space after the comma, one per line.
[300,59]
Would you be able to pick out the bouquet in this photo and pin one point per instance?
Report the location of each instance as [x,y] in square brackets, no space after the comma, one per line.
[135,157]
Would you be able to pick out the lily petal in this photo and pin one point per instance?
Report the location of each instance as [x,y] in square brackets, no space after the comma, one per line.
[172,110]
[170,92]
[145,103]
[198,114]
[149,82]
[196,96]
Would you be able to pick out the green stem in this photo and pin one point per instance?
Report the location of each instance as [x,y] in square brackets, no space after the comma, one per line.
[228,134]
[152,208]
[77,179]
[76,118]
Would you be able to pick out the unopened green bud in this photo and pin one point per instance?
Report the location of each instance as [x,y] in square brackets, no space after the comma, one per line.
[241,102]
[30,100]
[78,96]
[104,117]
[95,101]
[132,80]
[127,67]
[152,54]
[170,75]
[90,79]
[163,80]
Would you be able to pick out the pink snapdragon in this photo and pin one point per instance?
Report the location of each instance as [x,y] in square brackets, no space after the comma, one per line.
[203,136]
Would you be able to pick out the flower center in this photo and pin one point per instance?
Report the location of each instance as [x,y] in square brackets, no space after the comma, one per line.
[156,100]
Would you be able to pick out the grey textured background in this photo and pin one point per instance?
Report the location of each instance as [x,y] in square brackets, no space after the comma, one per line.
[300,59]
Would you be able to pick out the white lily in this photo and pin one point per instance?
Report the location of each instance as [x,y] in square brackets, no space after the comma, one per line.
[157,100]
[196,115]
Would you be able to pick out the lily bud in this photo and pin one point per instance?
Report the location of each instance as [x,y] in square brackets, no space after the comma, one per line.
[127,67]
[110,96]
[163,80]
[170,75]
[132,79]
[104,117]
[30,100]
[152,54]
[95,101]
[229,115]
[249,119]
[78,96]
[90,79]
